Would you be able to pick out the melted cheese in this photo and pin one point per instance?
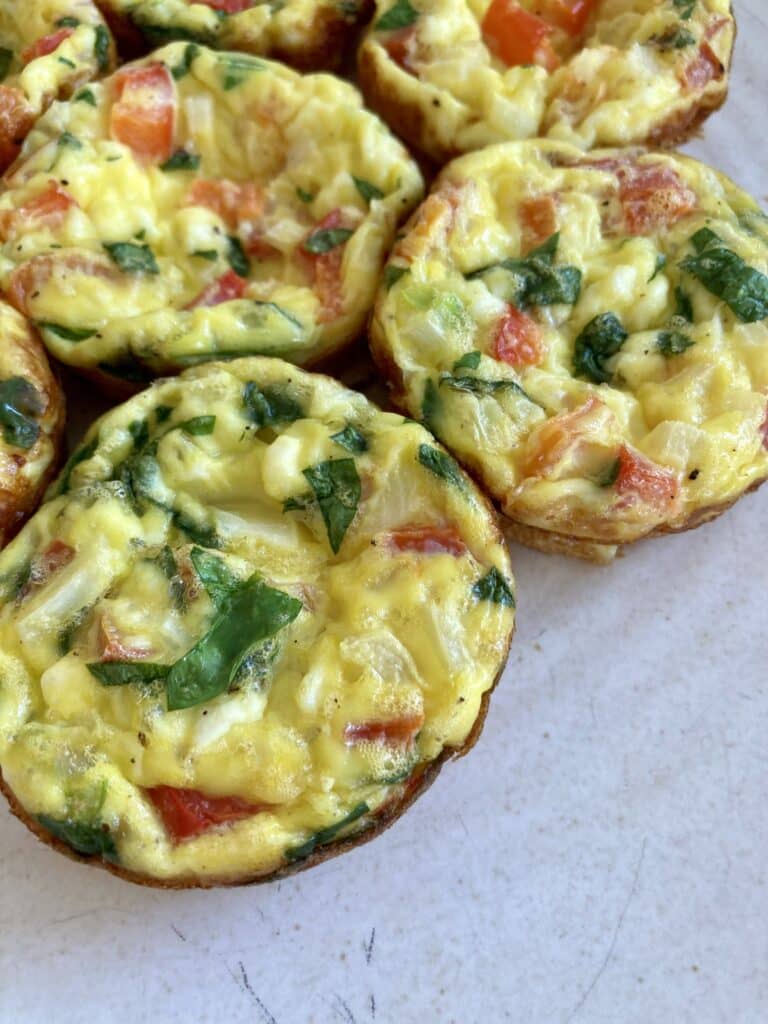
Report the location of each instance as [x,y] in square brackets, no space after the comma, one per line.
[298,143]
[383,631]
[698,414]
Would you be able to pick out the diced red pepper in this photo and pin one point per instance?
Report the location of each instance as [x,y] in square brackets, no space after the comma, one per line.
[29,278]
[400,45]
[653,197]
[187,813]
[538,220]
[428,540]
[569,15]
[16,119]
[646,480]
[48,209]
[46,45]
[144,113]
[516,36]
[114,649]
[224,289]
[705,68]
[559,435]
[325,268]
[235,202]
[518,339]
[396,732]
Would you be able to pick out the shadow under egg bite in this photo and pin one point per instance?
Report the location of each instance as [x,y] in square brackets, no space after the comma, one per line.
[48,48]
[273,612]
[201,205]
[451,76]
[587,333]
[31,427]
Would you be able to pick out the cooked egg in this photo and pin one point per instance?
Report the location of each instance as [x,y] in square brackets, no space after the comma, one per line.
[199,205]
[456,75]
[225,658]
[588,333]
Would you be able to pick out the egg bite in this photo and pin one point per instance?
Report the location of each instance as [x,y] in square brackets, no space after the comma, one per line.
[31,421]
[307,34]
[587,333]
[260,615]
[201,205]
[47,49]
[455,75]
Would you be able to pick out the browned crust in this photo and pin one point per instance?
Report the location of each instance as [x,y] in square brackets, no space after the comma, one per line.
[383,819]
[30,362]
[409,119]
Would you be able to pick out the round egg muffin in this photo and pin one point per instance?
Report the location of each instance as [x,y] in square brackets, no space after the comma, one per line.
[31,422]
[587,333]
[47,49]
[201,205]
[454,75]
[253,618]
[308,34]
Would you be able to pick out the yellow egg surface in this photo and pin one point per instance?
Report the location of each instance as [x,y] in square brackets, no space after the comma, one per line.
[258,614]
[202,204]
[587,333]
[455,75]
[47,49]
[31,421]
[308,34]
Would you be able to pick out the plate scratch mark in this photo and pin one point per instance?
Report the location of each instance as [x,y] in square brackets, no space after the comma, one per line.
[607,959]
[368,946]
[342,1011]
[372,1003]
[244,985]
[182,937]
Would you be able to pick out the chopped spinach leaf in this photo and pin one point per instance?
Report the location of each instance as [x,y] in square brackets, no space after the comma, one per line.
[325,239]
[81,454]
[685,7]
[392,274]
[400,15]
[674,38]
[67,22]
[351,439]
[336,487]
[163,413]
[131,258]
[442,465]
[101,47]
[478,386]
[270,405]
[237,68]
[601,339]
[67,333]
[66,634]
[219,581]
[68,63]
[123,673]
[609,475]
[236,256]
[128,368]
[430,404]
[198,533]
[672,343]
[367,190]
[325,835]
[494,588]
[166,562]
[199,426]
[207,254]
[181,160]
[661,262]
[19,403]
[6,59]
[190,54]
[726,275]
[533,280]
[469,361]
[86,96]
[90,840]
[304,196]
[139,431]
[683,305]
[251,613]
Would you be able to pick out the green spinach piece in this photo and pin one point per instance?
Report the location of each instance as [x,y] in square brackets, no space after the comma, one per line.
[191,52]
[367,190]
[270,405]
[393,273]
[674,38]
[219,581]
[726,275]
[602,338]
[494,588]
[672,343]
[336,487]
[351,439]
[469,361]
[6,59]
[181,160]
[441,465]
[66,333]
[199,426]
[132,258]
[685,7]
[236,256]
[325,239]
[166,562]
[122,673]
[86,96]
[90,840]
[238,68]
[325,835]
[534,280]
[400,15]
[101,47]
[19,403]
[431,405]
[683,305]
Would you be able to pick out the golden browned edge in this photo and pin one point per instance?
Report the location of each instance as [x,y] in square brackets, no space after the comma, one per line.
[331,31]
[387,815]
[18,504]
[409,119]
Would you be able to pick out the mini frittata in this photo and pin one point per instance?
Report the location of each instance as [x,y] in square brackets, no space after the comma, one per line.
[47,49]
[588,334]
[455,75]
[253,618]
[307,34]
[202,205]
[31,421]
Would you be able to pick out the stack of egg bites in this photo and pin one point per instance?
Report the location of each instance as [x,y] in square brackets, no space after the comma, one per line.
[254,613]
